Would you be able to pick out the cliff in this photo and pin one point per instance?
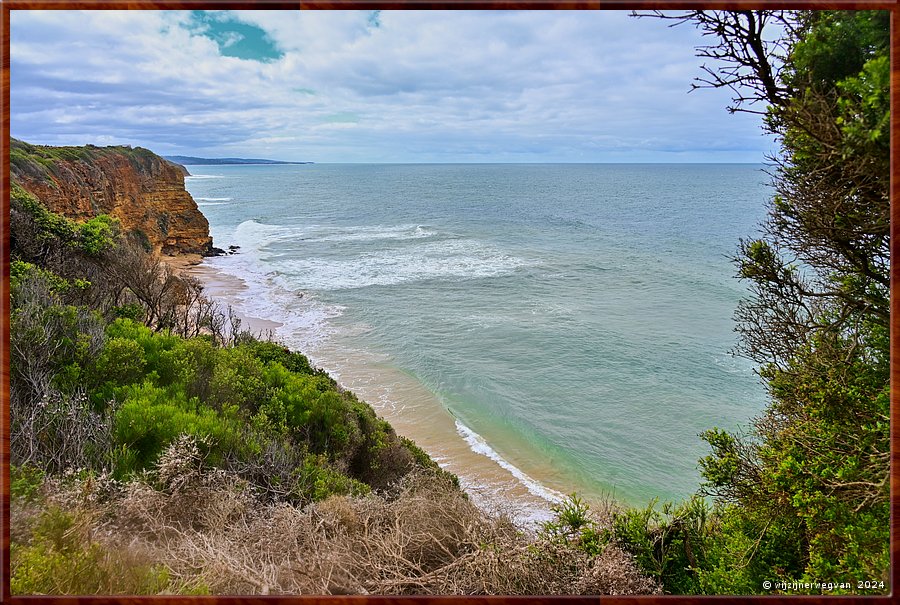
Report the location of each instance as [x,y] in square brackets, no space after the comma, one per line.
[141,189]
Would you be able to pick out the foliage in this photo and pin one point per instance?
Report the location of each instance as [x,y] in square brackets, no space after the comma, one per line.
[25,157]
[61,559]
[669,543]
[25,481]
[91,237]
[50,342]
[151,417]
[97,235]
[316,480]
[573,525]
[267,351]
[804,496]
[148,388]
[21,271]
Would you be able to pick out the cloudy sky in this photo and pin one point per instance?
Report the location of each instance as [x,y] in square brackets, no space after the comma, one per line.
[383,86]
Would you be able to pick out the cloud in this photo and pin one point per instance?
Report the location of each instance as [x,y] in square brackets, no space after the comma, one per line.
[333,86]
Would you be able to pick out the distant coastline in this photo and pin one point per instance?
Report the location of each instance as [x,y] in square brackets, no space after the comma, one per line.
[195,161]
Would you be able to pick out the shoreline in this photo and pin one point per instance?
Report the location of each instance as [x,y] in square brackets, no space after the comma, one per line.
[494,483]
[221,288]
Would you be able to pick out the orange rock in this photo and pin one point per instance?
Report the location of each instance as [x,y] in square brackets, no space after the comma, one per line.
[141,189]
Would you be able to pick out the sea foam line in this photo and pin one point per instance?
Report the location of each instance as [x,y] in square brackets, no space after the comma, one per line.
[478,445]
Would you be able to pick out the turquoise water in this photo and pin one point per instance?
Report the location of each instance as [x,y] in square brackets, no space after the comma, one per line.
[577,317]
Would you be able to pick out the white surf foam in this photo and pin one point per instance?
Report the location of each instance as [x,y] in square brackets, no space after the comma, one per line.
[254,235]
[374,232]
[305,320]
[456,259]
[478,445]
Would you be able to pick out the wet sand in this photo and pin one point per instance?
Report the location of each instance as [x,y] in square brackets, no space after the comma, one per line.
[401,400]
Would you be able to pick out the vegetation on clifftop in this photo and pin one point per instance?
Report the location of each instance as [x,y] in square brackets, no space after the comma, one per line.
[35,160]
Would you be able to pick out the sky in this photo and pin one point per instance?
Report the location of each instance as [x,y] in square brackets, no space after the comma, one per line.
[373,86]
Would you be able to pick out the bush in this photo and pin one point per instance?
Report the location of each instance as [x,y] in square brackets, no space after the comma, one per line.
[668,544]
[315,480]
[25,481]
[150,418]
[49,342]
[572,525]
[21,271]
[97,235]
[191,364]
[121,362]
[237,379]
[62,560]
[267,351]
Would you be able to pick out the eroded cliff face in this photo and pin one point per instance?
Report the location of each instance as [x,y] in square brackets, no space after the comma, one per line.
[144,191]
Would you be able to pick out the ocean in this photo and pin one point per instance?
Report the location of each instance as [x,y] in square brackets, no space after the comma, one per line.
[539,329]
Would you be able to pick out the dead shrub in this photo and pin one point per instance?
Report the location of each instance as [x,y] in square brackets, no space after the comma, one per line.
[424,536]
[187,495]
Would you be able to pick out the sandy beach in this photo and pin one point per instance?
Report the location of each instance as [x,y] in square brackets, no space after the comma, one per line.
[221,287]
[411,409]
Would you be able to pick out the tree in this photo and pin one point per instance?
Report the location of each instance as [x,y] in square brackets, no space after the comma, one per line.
[816,463]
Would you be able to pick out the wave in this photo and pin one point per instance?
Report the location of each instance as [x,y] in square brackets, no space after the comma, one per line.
[212,199]
[428,259]
[251,235]
[459,259]
[376,232]
[305,320]
[320,233]
[478,445]
[203,176]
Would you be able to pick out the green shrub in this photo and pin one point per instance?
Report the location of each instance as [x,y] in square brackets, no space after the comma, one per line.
[267,351]
[49,224]
[153,343]
[121,362]
[51,342]
[97,235]
[573,525]
[92,237]
[741,552]
[315,480]
[237,379]
[668,544]
[61,560]
[25,481]
[19,271]
[151,417]
[191,364]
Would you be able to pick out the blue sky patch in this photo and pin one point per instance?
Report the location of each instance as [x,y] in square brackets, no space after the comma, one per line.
[235,38]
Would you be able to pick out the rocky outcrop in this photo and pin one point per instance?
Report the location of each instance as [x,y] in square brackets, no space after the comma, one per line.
[141,189]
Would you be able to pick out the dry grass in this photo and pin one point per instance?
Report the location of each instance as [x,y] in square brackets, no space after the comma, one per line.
[423,537]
